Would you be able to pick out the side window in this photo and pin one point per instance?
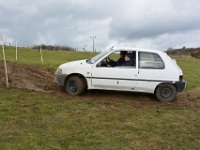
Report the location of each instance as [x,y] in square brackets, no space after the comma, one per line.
[110,61]
[119,59]
[150,61]
[129,59]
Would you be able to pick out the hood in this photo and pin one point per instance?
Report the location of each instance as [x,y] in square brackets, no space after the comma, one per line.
[73,67]
[73,64]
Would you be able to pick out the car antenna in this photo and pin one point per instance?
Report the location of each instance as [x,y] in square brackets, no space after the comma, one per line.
[135,33]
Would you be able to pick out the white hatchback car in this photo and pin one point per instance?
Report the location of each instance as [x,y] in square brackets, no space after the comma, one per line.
[124,69]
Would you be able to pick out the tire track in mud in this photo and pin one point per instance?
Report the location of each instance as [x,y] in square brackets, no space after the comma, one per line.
[40,79]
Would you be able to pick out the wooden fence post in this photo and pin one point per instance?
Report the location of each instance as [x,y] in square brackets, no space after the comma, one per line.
[4,59]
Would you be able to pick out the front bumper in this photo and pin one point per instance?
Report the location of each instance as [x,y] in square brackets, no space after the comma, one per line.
[180,85]
[60,79]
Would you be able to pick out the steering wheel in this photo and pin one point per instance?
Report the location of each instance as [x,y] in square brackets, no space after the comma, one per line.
[107,61]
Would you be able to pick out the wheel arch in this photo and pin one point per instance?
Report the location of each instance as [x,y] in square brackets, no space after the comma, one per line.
[166,92]
[160,84]
[78,75]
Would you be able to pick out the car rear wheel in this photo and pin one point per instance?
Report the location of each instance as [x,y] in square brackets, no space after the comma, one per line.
[75,86]
[165,93]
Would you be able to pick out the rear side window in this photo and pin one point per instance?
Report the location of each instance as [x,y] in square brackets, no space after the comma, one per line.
[150,61]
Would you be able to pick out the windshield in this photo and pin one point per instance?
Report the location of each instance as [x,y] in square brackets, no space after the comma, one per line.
[97,57]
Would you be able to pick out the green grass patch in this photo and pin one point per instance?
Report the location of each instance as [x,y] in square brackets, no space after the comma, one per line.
[191,71]
[30,120]
[51,59]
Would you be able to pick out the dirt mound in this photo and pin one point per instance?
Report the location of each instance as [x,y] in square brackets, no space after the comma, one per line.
[41,79]
[29,77]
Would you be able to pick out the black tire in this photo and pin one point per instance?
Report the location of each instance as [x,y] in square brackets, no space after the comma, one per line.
[165,93]
[75,86]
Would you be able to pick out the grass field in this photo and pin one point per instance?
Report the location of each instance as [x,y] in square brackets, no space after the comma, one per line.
[191,70]
[30,120]
[52,59]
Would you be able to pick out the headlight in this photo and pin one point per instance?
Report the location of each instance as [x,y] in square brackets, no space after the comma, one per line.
[59,71]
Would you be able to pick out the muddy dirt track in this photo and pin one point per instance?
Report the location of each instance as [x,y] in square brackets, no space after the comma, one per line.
[39,79]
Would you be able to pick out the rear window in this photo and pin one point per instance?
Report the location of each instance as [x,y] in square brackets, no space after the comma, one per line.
[150,61]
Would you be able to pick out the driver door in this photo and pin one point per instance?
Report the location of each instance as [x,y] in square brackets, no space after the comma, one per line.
[114,78]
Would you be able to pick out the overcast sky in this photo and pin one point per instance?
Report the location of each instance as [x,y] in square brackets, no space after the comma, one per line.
[155,24]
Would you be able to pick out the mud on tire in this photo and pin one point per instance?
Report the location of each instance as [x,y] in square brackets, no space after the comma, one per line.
[75,86]
[165,93]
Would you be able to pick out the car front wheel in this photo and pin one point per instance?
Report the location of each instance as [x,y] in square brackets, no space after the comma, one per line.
[165,93]
[75,86]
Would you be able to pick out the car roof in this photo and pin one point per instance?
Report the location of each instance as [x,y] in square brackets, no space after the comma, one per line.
[134,49]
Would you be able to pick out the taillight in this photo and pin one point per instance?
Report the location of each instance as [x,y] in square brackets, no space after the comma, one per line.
[181,77]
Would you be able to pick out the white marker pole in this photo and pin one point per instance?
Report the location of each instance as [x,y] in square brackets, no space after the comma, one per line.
[41,54]
[16,50]
[5,65]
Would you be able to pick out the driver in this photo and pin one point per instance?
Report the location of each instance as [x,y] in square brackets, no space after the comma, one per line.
[119,62]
